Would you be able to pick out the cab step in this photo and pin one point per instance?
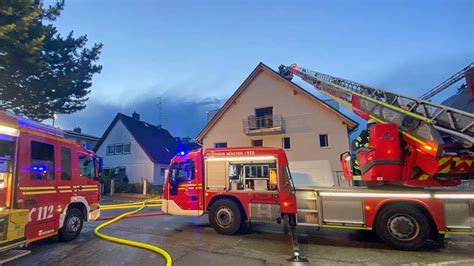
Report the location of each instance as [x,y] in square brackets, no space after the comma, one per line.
[13,254]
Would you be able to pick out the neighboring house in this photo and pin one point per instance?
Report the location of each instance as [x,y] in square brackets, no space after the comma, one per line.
[88,141]
[268,110]
[462,100]
[136,149]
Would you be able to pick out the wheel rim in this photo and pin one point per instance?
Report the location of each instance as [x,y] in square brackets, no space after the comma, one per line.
[224,217]
[403,227]
[74,224]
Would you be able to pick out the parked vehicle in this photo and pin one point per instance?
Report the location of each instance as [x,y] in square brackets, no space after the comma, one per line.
[48,185]
[236,186]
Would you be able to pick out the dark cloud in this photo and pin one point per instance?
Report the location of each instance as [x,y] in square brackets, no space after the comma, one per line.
[182,117]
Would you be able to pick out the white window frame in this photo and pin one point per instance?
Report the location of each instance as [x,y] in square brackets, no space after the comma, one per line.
[219,142]
[129,149]
[162,171]
[283,143]
[116,145]
[252,140]
[328,142]
[107,149]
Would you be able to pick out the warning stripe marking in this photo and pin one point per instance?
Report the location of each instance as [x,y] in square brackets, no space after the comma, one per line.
[38,192]
[89,189]
[36,188]
[86,186]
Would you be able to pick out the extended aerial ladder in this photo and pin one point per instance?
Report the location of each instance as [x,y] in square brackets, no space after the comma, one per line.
[437,141]
[461,74]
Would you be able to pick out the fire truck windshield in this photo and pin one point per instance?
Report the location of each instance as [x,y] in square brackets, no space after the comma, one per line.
[180,172]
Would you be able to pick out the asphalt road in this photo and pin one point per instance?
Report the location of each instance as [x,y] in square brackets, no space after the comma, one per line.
[191,241]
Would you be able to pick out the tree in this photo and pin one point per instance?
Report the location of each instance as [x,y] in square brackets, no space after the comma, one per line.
[187,144]
[41,72]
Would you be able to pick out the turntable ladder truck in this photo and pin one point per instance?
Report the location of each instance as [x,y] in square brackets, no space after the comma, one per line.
[416,150]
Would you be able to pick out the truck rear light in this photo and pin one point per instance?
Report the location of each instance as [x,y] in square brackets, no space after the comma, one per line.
[430,149]
[285,204]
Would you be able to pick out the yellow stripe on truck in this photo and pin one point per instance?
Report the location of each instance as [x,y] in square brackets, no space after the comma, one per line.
[35,188]
[38,192]
[88,189]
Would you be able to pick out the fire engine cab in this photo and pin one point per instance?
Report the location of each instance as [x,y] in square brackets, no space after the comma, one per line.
[48,185]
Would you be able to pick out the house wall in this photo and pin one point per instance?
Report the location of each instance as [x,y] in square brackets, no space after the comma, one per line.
[158,175]
[138,164]
[86,142]
[304,120]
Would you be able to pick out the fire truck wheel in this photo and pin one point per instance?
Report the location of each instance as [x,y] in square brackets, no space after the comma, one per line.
[403,227]
[72,225]
[225,217]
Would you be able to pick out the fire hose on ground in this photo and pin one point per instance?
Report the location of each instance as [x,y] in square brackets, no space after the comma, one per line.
[140,206]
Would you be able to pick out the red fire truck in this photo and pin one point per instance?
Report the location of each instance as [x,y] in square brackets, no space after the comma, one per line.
[234,185]
[411,158]
[48,185]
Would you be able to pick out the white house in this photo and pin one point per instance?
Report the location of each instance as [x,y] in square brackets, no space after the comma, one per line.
[137,149]
[268,110]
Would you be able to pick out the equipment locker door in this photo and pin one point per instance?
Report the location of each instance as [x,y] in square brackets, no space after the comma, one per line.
[37,176]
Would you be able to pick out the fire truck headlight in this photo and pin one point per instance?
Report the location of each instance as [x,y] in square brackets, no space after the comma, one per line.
[9,131]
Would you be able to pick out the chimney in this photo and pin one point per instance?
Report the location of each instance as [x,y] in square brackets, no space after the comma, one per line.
[77,130]
[136,116]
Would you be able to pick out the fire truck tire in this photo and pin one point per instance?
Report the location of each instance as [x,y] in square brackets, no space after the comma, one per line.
[225,217]
[403,227]
[72,225]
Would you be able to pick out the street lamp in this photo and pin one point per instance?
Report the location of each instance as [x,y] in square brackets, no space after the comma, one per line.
[55,116]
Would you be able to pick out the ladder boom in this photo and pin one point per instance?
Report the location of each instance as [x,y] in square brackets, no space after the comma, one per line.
[450,121]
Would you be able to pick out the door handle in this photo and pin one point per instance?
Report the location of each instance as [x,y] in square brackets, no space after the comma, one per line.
[30,201]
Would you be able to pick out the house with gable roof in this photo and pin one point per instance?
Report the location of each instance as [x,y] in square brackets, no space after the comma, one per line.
[137,149]
[268,110]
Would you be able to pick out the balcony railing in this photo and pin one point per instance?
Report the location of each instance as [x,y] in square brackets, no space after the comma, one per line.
[254,125]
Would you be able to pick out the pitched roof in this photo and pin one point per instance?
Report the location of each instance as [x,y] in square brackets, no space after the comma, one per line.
[352,125]
[460,101]
[73,133]
[156,142]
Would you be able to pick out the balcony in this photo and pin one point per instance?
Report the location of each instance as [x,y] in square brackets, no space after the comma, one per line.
[266,125]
